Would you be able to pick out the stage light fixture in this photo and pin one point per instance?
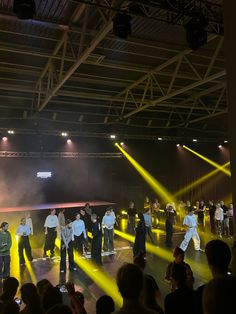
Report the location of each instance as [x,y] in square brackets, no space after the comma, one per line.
[10,132]
[178,145]
[220,146]
[225,141]
[68,141]
[159,138]
[4,138]
[122,143]
[64,134]
[121,25]
[24,9]
[194,140]
[112,136]
[196,34]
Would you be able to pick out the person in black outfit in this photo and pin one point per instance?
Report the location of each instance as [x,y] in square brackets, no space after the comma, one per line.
[131,217]
[212,209]
[96,246]
[140,238]
[87,222]
[183,299]
[170,220]
[225,209]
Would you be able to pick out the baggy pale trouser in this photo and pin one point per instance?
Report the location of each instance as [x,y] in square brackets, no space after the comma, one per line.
[191,233]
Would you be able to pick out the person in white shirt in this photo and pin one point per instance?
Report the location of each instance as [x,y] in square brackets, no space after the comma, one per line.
[108,222]
[51,224]
[23,231]
[67,246]
[29,222]
[79,234]
[190,222]
[219,217]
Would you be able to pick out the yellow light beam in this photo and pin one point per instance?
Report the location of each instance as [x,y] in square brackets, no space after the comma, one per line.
[199,181]
[163,253]
[214,164]
[98,275]
[31,271]
[154,184]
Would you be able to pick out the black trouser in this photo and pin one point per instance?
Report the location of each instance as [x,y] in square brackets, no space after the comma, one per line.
[70,256]
[131,225]
[50,240]
[5,266]
[212,222]
[108,240]
[169,233]
[78,243]
[96,249]
[24,244]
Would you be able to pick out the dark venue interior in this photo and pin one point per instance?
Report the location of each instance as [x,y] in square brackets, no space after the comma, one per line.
[128,106]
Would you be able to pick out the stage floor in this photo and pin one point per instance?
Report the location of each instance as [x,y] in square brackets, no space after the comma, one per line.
[53,205]
[84,281]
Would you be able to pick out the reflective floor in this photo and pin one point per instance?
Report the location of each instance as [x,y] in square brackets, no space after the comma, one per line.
[93,282]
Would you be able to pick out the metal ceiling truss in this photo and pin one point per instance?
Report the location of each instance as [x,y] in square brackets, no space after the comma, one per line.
[153,93]
[52,77]
[74,155]
[177,12]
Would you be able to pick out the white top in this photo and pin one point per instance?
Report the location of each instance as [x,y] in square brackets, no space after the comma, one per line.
[23,230]
[51,221]
[219,214]
[78,228]
[190,221]
[29,223]
[108,221]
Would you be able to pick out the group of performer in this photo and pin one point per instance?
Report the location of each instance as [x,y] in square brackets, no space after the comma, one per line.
[74,234]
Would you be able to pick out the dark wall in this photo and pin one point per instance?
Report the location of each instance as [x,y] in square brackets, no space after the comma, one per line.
[106,179]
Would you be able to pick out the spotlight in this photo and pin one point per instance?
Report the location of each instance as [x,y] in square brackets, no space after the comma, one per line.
[196,35]
[159,138]
[64,134]
[121,25]
[4,138]
[68,141]
[225,141]
[178,145]
[194,140]
[112,136]
[220,146]
[122,143]
[24,9]
[10,132]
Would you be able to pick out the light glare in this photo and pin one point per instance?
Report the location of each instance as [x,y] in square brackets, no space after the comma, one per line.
[112,136]
[4,138]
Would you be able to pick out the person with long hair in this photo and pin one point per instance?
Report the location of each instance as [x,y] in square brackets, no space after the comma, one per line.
[51,224]
[140,237]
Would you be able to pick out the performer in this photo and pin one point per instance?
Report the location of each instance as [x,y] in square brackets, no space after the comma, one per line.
[131,217]
[147,204]
[200,210]
[96,247]
[170,220]
[148,222]
[190,222]
[67,245]
[79,233]
[108,222]
[61,218]
[88,209]
[212,209]
[219,217]
[29,222]
[156,212]
[5,246]
[51,224]
[23,231]
[140,237]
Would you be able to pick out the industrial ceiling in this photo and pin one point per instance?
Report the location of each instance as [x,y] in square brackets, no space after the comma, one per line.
[66,70]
